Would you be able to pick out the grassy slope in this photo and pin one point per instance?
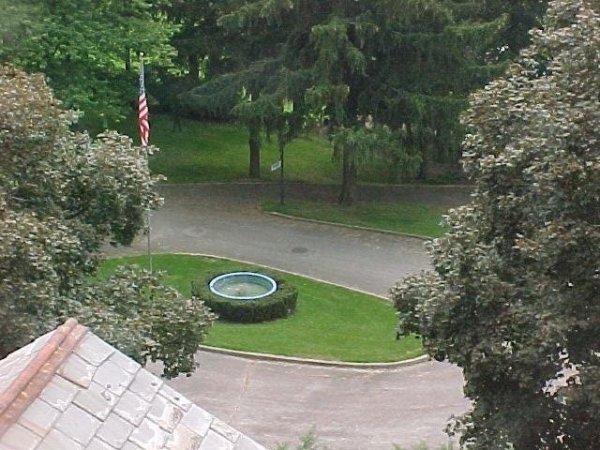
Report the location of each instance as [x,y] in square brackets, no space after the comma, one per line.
[218,152]
[419,219]
[330,322]
[203,152]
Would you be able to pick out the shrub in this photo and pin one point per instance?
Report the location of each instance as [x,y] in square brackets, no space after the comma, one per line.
[280,303]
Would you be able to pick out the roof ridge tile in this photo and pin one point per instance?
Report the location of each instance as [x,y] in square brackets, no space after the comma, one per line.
[30,382]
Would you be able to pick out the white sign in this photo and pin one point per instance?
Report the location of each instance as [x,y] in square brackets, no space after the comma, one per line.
[275,166]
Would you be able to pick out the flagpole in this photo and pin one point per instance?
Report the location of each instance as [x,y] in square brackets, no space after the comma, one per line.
[144,134]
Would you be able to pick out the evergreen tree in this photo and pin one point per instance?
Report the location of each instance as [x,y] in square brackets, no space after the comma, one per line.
[408,65]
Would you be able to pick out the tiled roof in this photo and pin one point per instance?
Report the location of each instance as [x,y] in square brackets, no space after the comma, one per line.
[70,390]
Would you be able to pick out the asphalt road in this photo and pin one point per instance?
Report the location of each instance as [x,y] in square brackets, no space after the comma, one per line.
[277,402]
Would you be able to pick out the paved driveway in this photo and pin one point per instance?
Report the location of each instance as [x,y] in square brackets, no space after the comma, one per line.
[277,402]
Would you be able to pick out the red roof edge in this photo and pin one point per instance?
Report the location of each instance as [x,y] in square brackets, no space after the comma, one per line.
[38,372]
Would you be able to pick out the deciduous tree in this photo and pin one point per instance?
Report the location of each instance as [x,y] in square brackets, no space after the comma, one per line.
[513,295]
[86,49]
[62,196]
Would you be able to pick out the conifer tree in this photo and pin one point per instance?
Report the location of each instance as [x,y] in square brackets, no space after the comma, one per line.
[407,64]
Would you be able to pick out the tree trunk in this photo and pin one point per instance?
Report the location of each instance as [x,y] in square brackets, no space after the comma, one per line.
[348,177]
[194,68]
[281,174]
[127,58]
[254,144]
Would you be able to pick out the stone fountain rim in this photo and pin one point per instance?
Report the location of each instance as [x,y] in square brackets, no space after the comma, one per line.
[271,281]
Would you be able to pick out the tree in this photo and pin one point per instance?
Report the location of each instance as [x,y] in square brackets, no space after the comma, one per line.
[237,95]
[513,295]
[522,16]
[204,48]
[86,47]
[62,196]
[410,67]
[354,147]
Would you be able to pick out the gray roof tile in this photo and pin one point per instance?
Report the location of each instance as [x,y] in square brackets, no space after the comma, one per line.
[20,438]
[113,377]
[115,431]
[59,392]
[225,430]
[166,414]
[55,440]
[132,407]
[77,370]
[124,362]
[38,343]
[13,363]
[94,350]
[149,436]
[39,417]
[184,439]
[78,424]
[173,396]
[96,400]
[130,446]
[197,420]
[214,441]
[145,385]
[97,444]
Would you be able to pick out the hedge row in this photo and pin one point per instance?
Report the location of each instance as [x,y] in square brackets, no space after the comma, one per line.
[280,303]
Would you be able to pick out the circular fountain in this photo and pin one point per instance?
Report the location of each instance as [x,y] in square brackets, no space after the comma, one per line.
[243,296]
[243,285]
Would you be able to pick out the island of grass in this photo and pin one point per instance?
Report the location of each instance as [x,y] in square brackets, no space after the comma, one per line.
[330,322]
[417,219]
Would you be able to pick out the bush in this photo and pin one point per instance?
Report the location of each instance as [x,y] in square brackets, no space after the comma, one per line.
[280,303]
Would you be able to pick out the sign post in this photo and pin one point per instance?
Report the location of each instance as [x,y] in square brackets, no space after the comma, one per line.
[276,165]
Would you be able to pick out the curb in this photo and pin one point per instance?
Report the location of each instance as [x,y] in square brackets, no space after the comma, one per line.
[314,362]
[306,361]
[289,272]
[345,225]
[300,183]
[296,360]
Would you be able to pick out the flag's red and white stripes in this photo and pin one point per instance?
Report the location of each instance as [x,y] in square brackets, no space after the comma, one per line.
[143,124]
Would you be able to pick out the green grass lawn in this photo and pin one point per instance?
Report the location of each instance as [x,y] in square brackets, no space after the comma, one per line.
[209,152]
[419,219]
[218,152]
[329,323]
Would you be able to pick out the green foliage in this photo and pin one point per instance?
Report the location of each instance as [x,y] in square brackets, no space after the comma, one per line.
[513,298]
[306,442]
[85,48]
[410,65]
[330,322]
[280,303]
[202,48]
[355,147]
[146,319]
[62,196]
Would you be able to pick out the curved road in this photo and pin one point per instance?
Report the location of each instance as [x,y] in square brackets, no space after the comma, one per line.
[277,402]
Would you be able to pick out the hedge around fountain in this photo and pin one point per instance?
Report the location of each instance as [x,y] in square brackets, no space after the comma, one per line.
[280,303]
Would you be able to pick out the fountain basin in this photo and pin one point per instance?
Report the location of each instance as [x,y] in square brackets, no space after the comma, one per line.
[243,285]
[244,296]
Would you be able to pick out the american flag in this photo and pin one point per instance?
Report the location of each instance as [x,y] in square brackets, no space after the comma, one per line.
[143,124]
